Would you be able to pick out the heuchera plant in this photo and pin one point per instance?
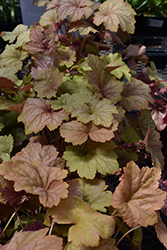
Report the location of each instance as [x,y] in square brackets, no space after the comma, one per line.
[80,152]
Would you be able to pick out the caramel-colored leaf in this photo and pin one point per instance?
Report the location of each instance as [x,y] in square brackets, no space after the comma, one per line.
[103,82]
[136,95]
[86,221]
[138,195]
[154,146]
[34,240]
[83,27]
[49,17]
[36,178]
[116,13]
[37,114]
[78,133]
[74,9]
[46,81]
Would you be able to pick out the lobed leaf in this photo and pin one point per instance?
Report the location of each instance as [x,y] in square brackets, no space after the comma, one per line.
[103,82]
[95,194]
[136,95]
[138,195]
[49,17]
[98,111]
[87,222]
[69,102]
[67,56]
[37,114]
[146,121]
[11,35]
[41,40]
[90,158]
[116,13]
[34,240]
[46,81]
[74,9]
[13,57]
[36,178]
[83,27]
[78,133]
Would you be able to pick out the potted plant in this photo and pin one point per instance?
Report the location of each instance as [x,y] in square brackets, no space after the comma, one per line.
[73,174]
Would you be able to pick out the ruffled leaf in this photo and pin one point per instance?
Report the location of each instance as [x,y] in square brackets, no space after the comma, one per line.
[87,222]
[92,157]
[11,36]
[37,114]
[67,56]
[138,195]
[49,17]
[161,231]
[116,13]
[83,27]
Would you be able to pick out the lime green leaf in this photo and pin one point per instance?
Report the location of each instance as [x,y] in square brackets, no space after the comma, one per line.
[6,146]
[23,39]
[67,56]
[137,237]
[69,102]
[76,85]
[104,83]
[34,240]
[107,244]
[130,135]
[49,17]
[138,195]
[116,13]
[86,221]
[153,146]
[46,81]
[146,121]
[10,74]
[92,157]
[153,73]
[37,114]
[98,111]
[83,27]
[13,57]
[11,36]
[113,60]
[95,194]
[136,95]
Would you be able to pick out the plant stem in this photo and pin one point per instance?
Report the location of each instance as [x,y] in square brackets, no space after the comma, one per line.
[127,234]
[12,216]
[118,230]
[51,227]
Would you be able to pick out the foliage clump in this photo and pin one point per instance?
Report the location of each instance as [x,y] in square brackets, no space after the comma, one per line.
[75,132]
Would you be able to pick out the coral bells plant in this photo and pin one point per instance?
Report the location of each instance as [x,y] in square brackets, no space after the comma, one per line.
[79,146]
